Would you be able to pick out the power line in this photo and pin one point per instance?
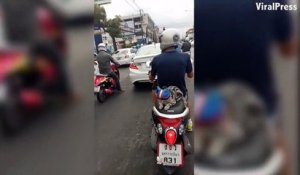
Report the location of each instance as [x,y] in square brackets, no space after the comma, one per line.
[136,4]
[131,5]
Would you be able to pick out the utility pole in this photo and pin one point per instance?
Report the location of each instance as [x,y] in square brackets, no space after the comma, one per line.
[141,20]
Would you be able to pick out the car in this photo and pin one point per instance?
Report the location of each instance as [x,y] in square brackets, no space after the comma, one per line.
[141,63]
[124,56]
[140,66]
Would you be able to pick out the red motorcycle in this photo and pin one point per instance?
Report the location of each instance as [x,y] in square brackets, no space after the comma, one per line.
[168,137]
[103,84]
[16,106]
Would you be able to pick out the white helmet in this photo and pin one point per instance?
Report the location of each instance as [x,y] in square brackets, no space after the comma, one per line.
[102,46]
[169,38]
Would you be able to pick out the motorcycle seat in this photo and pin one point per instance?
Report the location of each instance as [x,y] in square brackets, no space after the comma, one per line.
[178,108]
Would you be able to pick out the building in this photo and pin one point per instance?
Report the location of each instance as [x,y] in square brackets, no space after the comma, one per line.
[156,34]
[138,28]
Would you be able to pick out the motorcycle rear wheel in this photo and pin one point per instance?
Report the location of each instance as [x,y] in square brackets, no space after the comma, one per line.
[12,122]
[101,96]
[170,170]
[153,138]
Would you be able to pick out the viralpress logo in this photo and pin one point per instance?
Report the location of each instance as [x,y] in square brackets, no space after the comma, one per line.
[275,6]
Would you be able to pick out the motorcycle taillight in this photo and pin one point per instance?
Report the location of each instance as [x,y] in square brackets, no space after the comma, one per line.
[171,136]
[133,66]
[31,98]
[98,80]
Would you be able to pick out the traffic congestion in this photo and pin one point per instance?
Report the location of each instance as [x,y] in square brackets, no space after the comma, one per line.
[136,84]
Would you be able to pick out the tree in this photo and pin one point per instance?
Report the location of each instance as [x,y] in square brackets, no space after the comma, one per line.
[112,26]
[99,16]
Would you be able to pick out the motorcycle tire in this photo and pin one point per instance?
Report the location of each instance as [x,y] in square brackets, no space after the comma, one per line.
[12,122]
[153,139]
[101,96]
[170,170]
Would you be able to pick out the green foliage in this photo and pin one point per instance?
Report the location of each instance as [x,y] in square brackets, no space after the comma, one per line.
[99,15]
[113,27]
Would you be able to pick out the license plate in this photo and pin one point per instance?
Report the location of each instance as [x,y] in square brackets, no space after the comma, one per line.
[170,155]
[97,89]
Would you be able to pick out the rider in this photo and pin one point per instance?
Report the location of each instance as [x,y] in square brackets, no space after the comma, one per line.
[186,46]
[170,66]
[104,59]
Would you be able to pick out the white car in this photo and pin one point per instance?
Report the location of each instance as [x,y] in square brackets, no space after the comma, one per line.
[140,66]
[124,56]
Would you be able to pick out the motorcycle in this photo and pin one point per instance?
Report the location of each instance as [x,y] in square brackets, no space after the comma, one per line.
[104,85]
[168,138]
[15,107]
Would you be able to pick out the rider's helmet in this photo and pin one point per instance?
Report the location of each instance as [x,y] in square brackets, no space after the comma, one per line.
[102,47]
[169,38]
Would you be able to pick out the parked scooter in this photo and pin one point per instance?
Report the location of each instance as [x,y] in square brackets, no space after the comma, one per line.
[103,84]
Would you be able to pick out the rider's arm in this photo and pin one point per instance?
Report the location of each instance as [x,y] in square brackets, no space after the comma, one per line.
[153,70]
[113,60]
[284,34]
[288,48]
[190,75]
[189,68]
[151,77]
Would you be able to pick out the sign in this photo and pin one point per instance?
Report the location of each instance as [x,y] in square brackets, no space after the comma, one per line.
[127,27]
[170,155]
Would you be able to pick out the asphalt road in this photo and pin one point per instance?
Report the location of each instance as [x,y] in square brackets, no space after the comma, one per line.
[59,142]
[123,126]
